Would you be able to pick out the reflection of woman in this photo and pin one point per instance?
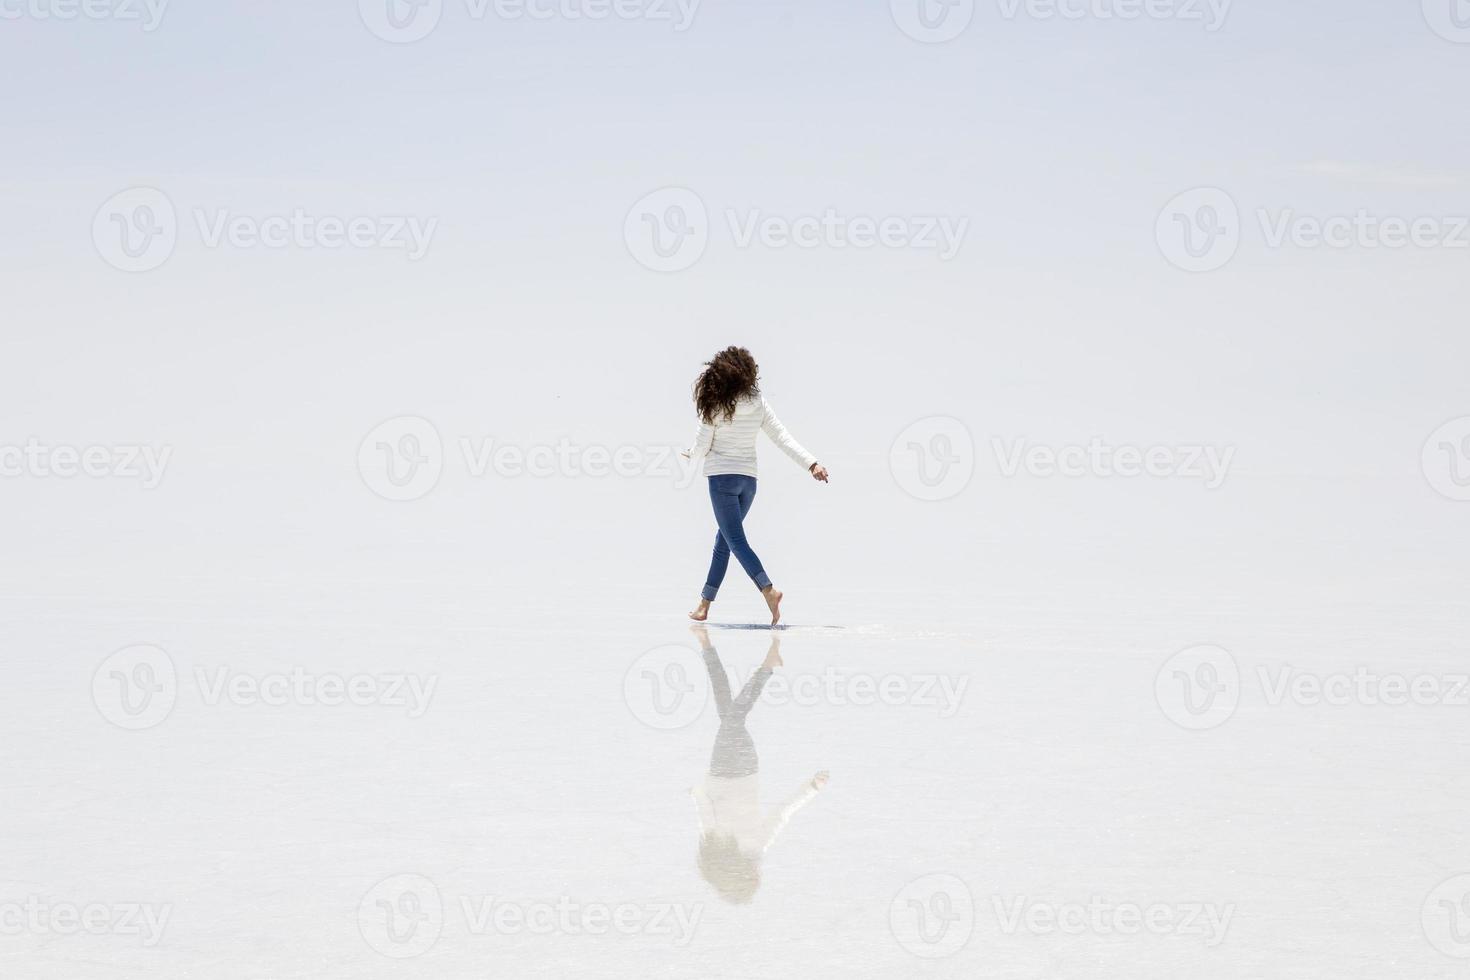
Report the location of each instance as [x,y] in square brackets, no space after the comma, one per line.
[733,832]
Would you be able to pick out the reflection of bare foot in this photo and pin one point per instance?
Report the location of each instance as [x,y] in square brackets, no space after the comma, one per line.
[820,779]
[773,655]
[773,600]
[702,635]
[701,611]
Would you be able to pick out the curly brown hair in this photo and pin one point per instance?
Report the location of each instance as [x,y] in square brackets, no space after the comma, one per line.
[727,377]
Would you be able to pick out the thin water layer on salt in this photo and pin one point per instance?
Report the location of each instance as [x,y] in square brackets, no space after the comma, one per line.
[1043,794]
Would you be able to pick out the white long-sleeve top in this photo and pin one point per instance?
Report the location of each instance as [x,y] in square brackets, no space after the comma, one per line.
[732,807]
[729,447]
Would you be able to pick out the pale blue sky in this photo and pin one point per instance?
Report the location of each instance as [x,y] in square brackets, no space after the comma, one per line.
[529,142]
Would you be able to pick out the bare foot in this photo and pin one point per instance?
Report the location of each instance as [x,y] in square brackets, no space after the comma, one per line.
[701,611]
[773,600]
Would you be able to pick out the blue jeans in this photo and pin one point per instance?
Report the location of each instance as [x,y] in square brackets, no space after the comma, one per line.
[734,755]
[731,496]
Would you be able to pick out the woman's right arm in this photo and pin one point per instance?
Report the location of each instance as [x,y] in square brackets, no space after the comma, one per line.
[775,821]
[773,428]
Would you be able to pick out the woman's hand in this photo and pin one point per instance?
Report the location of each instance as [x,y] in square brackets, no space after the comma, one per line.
[819,472]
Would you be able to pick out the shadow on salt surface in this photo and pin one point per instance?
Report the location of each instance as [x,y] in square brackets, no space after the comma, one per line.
[869,631]
[768,626]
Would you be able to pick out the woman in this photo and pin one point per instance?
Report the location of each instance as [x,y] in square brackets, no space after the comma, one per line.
[731,411]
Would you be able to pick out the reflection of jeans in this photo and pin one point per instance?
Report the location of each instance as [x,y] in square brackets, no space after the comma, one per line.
[731,496]
[734,754]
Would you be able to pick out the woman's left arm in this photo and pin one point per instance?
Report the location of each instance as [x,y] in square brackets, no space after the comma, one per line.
[704,440]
